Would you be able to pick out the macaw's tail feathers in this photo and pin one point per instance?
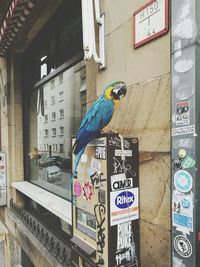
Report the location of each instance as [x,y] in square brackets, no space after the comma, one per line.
[77,159]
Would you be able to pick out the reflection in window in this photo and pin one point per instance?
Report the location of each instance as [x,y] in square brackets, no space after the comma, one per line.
[51,168]
[53,132]
[53,100]
[53,116]
[61,114]
[61,96]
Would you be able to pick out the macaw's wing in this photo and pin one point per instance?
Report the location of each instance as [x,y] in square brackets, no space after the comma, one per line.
[97,117]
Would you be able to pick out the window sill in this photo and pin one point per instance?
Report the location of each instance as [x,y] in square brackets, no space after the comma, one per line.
[58,206]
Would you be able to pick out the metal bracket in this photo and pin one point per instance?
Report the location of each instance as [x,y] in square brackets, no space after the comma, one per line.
[89,40]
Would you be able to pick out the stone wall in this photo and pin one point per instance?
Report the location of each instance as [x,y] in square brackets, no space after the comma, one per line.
[143,113]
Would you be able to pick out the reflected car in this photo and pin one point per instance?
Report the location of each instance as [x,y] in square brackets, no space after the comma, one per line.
[54,174]
[56,161]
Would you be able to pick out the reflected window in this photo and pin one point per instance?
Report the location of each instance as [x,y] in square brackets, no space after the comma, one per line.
[50,161]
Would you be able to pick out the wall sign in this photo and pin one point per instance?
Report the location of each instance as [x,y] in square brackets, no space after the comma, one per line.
[150,21]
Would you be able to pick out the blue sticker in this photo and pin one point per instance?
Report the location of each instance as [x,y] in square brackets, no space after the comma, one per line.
[183,181]
[185,203]
[182,220]
[124,199]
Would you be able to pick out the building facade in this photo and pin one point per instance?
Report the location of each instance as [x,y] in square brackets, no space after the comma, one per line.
[46,88]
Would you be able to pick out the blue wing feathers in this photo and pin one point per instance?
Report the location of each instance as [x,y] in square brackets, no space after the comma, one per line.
[97,117]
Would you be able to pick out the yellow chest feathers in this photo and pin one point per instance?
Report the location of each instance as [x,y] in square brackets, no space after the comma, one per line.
[110,97]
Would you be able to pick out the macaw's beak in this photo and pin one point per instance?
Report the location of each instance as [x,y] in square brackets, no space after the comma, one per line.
[119,89]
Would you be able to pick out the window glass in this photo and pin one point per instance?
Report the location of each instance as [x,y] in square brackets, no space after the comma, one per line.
[50,153]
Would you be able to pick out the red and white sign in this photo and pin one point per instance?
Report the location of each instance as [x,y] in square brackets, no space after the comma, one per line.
[150,21]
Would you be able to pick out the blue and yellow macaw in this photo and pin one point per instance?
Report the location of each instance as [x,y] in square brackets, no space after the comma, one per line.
[97,117]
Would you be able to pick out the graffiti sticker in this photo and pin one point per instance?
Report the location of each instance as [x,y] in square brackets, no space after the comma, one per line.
[183,113]
[183,246]
[87,191]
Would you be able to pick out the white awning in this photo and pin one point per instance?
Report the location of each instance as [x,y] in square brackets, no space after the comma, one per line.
[58,206]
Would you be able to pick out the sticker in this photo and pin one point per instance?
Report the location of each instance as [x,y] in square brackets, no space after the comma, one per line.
[184,143]
[184,65]
[184,92]
[84,158]
[123,206]
[182,212]
[77,189]
[183,246]
[127,153]
[183,181]
[188,162]
[87,190]
[183,113]
[95,165]
[178,262]
[176,164]
[183,130]
[119,182]
[100,152]
[182,153]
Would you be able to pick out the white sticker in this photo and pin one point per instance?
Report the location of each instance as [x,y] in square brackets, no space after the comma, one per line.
[124,206]
[183,246]
[95,165]
[183,130]
[119,182]
[127,153]
[84,158]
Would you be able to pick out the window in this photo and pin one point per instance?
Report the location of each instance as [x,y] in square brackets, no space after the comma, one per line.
[53,100]
[61,96]
[55,147]
[46,118]
[53,116]
[61,148]
[46,133]
[53,132]
[61,114]
[61,130]
[52,84]
[61,78]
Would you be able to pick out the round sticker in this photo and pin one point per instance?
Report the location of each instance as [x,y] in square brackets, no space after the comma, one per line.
[183,181]
[177,164]
[182,153]
[77,189]
[182,246]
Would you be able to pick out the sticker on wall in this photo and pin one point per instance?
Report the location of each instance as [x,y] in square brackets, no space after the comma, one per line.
[116,142]
[188,162]
[183,130]
[182,212]
[184,92]
[183,113]
[87,190]
[127,153]
[100,152]
[126,249]
[95,165]
[77,189]
[178,262]
[184,143]
[183,181]
[183,246]
[123,206]
[119,182]
[176,163]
